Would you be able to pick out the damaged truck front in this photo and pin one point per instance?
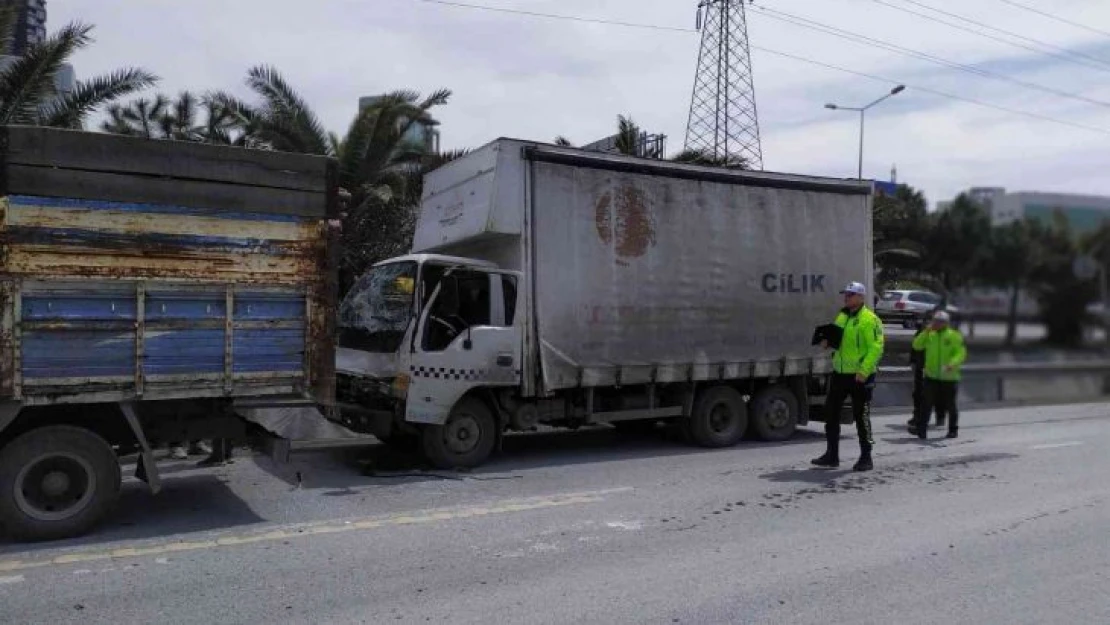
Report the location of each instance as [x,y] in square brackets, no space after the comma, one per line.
[150,292]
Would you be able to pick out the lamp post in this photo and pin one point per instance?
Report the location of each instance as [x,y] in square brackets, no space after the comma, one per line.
[861,110]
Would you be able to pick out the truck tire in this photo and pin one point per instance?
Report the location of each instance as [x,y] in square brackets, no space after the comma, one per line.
[719,418]
[465,440]
[774,413]
[56,482]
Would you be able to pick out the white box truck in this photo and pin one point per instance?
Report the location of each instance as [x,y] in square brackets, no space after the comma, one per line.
[552,286]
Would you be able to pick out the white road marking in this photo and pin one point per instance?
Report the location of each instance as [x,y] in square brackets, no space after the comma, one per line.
[321,528]
[1057,445]
[625,525]
[11,579]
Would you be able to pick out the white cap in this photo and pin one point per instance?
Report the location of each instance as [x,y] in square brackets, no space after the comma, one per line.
[854,287]
[941,316]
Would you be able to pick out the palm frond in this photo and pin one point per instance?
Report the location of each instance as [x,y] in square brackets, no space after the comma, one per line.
[71,109]
[28,82]
[293,125]
[437,98]
[563,141]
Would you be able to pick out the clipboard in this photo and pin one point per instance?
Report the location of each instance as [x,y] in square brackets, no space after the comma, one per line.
[829,332]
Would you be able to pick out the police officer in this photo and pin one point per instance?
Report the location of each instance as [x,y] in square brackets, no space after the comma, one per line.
[854,364]
[917,363]
[944,354]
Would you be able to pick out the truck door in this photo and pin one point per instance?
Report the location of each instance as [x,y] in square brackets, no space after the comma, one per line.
[468,338]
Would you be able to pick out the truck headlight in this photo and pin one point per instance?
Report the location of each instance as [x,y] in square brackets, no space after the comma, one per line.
[401,384]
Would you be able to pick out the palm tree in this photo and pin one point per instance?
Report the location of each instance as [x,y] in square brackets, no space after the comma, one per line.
[28,88]
[141,118]
[375,155]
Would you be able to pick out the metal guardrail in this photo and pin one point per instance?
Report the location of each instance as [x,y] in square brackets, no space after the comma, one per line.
[1015,369]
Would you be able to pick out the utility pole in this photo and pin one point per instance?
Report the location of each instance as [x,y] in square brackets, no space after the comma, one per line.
[723,121]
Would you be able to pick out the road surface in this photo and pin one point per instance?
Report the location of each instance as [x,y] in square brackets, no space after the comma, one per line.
[1007,524]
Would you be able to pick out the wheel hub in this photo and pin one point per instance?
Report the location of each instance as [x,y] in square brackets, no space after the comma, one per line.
[720,418]
[461,434]
[55,484]
[778,413]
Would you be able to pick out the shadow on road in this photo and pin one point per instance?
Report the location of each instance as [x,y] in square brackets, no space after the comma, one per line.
[188,503]
[343,470]
[808,476]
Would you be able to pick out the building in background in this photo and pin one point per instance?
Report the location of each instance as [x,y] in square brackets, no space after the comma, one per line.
[646,145]
[422,133]
[1085,213]
[30,30]
[30,26]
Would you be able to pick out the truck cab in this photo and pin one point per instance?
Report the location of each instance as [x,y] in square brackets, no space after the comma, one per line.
[417,335]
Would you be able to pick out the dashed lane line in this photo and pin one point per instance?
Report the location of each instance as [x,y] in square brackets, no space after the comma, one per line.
[1057,445]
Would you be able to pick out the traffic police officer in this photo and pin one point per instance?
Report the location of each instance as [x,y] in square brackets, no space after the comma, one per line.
[944,354]
[854,364]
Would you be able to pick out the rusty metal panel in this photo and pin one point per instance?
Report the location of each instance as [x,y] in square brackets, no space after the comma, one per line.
[111,301]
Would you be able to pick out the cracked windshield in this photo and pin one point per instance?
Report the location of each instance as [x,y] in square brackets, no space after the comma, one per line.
[586,312]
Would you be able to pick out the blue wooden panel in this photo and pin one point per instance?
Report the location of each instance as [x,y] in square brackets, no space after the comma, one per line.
[183,351]
[269,306]
[73,353]
[78,306]
[277,350]
[185,305]
[159,209]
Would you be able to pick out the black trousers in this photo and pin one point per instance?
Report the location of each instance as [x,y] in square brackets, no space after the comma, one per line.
[841,387]
[941,397]
[919,403]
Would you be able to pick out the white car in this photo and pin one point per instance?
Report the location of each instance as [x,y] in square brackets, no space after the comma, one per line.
[910,307]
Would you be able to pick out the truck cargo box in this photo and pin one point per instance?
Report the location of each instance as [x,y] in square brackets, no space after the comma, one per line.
[649,271]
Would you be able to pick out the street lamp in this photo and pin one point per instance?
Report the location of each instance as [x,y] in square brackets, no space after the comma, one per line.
[861,110]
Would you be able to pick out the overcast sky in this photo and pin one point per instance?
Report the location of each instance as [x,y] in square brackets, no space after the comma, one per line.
[533,78]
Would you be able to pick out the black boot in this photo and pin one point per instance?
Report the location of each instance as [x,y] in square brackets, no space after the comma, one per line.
[953,434]
[864,464]
[828,461]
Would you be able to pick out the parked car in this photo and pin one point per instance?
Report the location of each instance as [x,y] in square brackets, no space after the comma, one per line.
[910,307]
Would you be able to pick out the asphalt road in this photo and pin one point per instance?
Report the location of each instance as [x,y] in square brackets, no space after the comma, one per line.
[1007,524]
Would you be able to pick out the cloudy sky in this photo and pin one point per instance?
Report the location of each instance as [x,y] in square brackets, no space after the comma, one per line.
[536,78]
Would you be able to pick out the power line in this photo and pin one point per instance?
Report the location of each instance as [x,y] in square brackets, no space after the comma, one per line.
[980,33]
[1036,42]
[951,96]
[924,56]
[795,57]
[1057,18]
[569,18]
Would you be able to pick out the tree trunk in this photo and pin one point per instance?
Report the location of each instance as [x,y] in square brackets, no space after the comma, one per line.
[1011,316]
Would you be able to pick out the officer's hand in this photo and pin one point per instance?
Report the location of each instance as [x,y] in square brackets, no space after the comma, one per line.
[860,378]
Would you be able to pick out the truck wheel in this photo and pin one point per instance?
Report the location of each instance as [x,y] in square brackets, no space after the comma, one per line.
[719,418]
[774,413]
[56,482]
[465,440]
